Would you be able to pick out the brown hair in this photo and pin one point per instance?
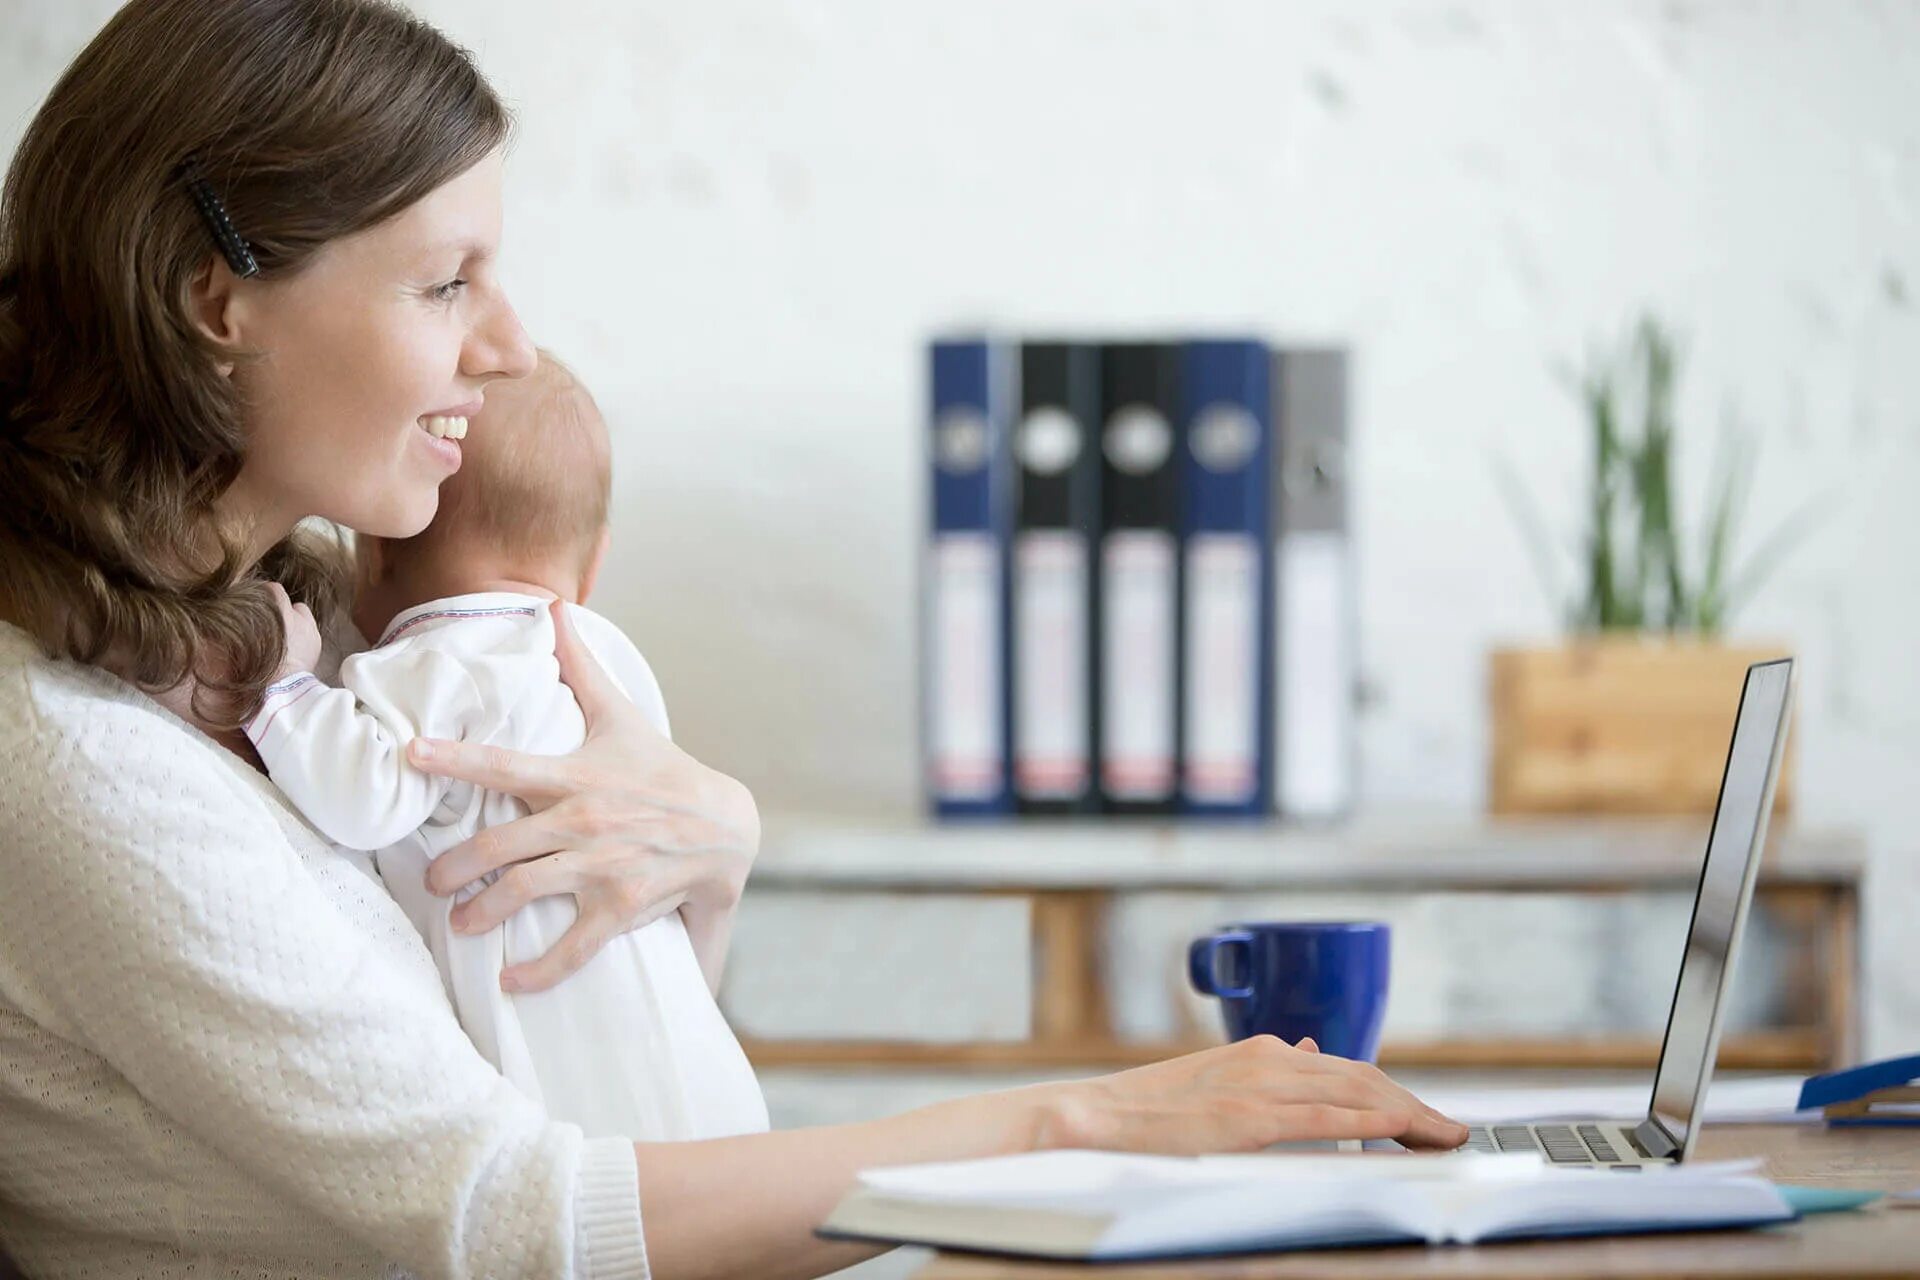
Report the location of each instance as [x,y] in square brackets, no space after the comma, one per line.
[535,476]
[310,120]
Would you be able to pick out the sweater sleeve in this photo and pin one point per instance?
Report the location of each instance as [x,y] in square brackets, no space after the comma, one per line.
[340,754]
[158,917]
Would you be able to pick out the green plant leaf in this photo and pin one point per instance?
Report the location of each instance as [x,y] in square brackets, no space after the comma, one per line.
[1732,475]
[1630,549]
[1605,610]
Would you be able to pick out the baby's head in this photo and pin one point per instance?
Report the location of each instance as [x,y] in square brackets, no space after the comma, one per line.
[528,506]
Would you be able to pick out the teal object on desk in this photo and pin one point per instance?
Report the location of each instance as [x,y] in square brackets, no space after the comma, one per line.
[1826,1199]
[1848,1097]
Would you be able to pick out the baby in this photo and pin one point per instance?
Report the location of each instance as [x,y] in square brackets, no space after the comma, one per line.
[632,1044]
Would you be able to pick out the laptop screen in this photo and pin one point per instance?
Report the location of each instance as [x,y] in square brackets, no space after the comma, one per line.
[1726,884]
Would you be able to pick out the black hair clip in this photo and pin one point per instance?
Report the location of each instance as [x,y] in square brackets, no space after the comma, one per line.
[237,254]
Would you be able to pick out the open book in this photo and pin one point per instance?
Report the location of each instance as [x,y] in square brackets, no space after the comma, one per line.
[1098,1206]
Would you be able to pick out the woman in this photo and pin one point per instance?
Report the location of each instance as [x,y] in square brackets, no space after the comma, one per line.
[246,248]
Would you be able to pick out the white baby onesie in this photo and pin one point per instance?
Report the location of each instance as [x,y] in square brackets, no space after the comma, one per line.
[632,1044]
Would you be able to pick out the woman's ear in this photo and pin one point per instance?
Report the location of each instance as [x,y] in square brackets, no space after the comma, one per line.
[213,307]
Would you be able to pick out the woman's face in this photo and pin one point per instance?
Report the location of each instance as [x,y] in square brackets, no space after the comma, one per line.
[380,332]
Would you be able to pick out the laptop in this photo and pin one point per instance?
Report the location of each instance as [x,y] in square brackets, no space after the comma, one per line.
[1734,845]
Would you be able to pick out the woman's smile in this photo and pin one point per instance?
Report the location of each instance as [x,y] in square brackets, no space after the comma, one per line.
[445,428]
[444,447]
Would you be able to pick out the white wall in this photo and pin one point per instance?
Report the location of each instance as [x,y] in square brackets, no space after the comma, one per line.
[740,221]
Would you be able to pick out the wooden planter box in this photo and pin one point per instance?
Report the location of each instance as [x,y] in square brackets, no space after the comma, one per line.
[1618,726]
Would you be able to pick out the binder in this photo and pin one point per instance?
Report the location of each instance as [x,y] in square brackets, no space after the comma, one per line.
[1055,663]
[1226,722]
[1139,588]
[1317,632]
[966,743]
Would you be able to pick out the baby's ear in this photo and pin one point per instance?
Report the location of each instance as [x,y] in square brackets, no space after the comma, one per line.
[595,559]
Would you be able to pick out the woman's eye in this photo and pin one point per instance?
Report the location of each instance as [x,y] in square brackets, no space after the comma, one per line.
[449,291]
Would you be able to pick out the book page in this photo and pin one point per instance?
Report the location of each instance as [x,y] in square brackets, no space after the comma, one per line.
[1112,1179]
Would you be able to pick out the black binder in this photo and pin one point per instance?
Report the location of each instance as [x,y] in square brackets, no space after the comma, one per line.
[1139,631]
[1055,683]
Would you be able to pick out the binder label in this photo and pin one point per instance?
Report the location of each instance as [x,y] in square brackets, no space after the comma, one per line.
[1050,655]
[1137,639]
[961,440]
[1049,440]
[1223,657]
[1316,677]
[964,633]
[1138,440]
[1224,437]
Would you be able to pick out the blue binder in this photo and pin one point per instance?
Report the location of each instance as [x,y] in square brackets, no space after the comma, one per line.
[965,726]
[1227,565]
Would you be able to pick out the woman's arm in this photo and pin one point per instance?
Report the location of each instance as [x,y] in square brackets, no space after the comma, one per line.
[155,917]
[629,824]
[748,1206]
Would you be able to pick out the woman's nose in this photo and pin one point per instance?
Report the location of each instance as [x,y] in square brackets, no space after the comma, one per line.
[499,347]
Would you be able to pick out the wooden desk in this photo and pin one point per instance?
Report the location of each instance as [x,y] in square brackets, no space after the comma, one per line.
[1876,1241]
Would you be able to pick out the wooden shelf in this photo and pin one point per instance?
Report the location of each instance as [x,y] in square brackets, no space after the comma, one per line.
[1109,854]
[1791,1049]
[1072,871]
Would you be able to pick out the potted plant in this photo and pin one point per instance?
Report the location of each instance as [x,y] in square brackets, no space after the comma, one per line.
[1632,712]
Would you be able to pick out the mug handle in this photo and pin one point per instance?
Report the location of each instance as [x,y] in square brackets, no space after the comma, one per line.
[1200,964]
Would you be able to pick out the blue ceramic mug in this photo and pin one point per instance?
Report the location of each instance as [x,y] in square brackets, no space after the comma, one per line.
[1322,979]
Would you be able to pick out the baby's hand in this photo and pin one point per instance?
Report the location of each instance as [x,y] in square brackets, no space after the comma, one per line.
[303,637]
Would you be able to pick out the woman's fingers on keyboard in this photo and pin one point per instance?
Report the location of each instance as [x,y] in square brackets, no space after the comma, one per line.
[1432,1128]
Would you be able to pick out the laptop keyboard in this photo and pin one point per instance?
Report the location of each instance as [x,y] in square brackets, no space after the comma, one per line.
[1560,1143]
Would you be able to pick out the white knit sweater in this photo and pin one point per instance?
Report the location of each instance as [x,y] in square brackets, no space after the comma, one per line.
[224,1051]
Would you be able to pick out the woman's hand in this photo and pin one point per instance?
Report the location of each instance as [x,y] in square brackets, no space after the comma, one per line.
[629,824]
[1241,1097]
